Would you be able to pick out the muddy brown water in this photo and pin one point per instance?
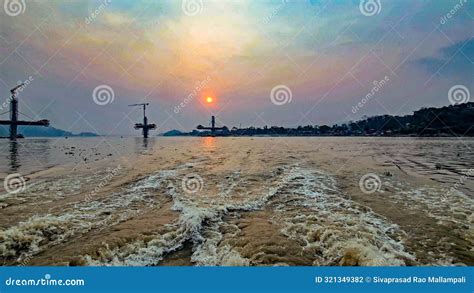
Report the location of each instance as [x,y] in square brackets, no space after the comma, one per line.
[238,202]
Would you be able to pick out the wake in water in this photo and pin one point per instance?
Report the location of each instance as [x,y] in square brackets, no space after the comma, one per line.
[283,210]
[305,205]
[40,232]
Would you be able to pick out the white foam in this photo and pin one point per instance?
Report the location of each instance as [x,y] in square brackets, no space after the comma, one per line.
[198,217]
[335,225]
[447,207]
[342,227]
[38,232]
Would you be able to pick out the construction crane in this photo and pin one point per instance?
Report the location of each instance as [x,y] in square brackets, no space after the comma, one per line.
[145,126]
[14,122]
[213,127]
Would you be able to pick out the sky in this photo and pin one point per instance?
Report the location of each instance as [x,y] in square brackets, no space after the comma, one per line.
[286,63]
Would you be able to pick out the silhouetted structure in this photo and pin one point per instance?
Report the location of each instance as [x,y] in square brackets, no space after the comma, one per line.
[145,126]
[14,122]
[223,130]
[454,120]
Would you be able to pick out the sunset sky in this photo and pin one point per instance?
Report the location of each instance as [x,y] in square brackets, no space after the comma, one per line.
[327,52]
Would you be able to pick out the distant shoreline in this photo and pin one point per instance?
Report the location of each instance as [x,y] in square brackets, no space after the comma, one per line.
[448,121]
[234,136]
[385,136]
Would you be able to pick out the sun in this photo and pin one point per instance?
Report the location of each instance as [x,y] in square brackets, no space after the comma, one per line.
[209,99]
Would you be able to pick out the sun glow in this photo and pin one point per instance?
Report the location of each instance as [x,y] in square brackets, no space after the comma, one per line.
[209,99]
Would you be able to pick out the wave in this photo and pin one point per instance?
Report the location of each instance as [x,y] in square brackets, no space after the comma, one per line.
[306,204]
[39,232]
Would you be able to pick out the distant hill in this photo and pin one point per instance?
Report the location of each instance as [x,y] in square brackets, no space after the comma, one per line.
[43,132]
[173,132]
[457,120]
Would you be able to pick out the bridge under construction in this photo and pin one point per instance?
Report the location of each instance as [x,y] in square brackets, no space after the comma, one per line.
[219,131]
[14,115]
[144,126]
